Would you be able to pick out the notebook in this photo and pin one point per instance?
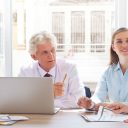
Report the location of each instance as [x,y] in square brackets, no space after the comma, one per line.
[27,95]
[104,115]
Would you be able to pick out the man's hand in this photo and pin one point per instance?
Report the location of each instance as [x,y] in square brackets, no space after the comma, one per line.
[58,89]
[87,103]
[84,102]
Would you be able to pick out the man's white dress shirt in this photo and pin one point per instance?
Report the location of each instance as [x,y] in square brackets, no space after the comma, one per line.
[73,87]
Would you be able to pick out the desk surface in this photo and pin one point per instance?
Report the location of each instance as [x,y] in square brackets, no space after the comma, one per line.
[63,119]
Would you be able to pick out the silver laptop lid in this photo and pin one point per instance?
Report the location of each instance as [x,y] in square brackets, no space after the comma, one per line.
[26,95]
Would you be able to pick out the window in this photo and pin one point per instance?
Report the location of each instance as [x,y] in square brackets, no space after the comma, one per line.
[77,31]
[1,37]
[5,36]
[1,45]
[83,29]
[58,28]
[98,31]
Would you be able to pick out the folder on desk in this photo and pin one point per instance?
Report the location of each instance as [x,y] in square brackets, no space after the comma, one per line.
[104,115]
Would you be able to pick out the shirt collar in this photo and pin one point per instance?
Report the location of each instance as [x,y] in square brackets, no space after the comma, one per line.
[117,67]
[42,72]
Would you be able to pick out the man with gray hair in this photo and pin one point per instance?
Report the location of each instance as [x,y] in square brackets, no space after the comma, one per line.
[42,48]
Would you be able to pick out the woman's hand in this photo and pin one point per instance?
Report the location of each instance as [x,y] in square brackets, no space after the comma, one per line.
[118,107]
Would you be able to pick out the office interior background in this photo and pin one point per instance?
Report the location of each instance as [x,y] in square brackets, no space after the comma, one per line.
[83,29]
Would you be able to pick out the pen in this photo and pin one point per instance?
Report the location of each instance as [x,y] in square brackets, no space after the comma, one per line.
[108,109]
[65,77]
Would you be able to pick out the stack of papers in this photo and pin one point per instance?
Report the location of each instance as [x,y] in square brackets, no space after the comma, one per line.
[8,120]
[104,115]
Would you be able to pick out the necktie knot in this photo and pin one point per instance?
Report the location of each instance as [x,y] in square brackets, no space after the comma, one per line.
[47,75]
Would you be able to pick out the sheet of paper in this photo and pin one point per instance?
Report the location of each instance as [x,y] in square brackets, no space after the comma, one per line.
[5,117]
[105,115]
[18,118]
[7,122]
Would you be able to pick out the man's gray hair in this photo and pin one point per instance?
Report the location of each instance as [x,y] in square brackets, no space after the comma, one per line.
[39,38]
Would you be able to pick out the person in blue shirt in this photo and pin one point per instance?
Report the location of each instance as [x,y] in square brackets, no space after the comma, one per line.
[114,81]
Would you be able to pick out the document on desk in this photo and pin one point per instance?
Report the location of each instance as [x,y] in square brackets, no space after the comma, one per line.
[6,119]
[104,115]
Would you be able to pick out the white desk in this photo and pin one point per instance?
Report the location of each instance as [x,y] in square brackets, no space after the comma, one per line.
[63,119]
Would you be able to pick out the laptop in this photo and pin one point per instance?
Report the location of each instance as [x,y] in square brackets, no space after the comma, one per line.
[27,95]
